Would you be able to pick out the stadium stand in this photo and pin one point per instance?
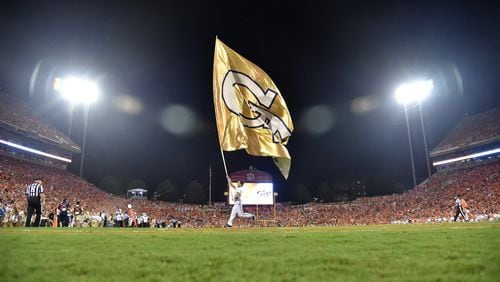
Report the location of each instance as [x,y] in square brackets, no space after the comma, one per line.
[16,116]
[477,180]
[472,131]
[431,201]
[20,126]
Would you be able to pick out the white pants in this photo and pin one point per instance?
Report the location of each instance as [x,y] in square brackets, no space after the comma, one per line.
[238,211]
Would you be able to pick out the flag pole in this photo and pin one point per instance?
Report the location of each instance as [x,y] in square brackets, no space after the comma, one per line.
[210,185]
[222,152]
[224,161]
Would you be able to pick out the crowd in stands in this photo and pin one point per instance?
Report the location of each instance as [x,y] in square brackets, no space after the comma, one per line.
[23,155]
[431,201]
[467,132]
[17,115]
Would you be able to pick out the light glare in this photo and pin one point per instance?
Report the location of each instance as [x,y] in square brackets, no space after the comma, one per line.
[178,120]
[414,92]
[128,104]
[318,119]
[364,104]
[77,90]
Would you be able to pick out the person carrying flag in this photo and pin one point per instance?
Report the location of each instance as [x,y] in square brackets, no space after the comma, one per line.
[237,210]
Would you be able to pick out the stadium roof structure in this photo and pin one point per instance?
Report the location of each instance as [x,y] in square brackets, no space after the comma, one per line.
[43,132]
[471,132]
[137,190]
[251,175]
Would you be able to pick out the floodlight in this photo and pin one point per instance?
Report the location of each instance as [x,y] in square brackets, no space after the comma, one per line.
[77,90]
[414,92]
[411,93]
[80,91]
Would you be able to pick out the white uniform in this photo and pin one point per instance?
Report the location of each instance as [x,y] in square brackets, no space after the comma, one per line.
[238,207]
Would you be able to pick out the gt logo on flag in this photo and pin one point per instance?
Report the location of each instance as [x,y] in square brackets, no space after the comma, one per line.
[250,111]
[263,118]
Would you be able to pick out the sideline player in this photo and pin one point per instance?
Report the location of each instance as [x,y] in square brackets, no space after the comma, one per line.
[34,193]
[78,215]
[238,206]
[460,211]
[132,218]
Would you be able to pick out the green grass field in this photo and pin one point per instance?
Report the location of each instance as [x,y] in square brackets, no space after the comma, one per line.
[444,252]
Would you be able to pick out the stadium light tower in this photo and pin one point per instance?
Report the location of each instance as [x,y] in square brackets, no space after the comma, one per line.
[78,91]
[411,93]
[425,140]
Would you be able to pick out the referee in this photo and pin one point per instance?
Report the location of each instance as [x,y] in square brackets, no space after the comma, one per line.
[35,195]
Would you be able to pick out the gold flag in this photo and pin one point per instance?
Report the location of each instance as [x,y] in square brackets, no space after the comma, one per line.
[250,112]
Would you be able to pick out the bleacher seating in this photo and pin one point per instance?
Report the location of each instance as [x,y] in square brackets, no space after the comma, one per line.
[431,201]
[474,130]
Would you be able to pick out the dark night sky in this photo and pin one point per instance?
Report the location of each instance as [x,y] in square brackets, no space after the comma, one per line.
[325,56]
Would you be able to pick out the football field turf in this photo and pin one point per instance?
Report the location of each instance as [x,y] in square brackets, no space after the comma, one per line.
[434,252]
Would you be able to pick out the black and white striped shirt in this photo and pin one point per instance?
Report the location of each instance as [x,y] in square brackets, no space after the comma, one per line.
[34,189]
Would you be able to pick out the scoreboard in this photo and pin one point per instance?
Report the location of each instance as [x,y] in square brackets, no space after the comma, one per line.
[254,194]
